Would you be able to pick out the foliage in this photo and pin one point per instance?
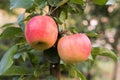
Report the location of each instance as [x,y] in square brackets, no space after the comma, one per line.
[21,59]
[5,2]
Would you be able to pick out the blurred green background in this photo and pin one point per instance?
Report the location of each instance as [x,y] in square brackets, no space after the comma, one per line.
[103,20]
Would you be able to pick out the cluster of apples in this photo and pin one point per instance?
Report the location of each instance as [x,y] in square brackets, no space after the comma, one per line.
[41,32]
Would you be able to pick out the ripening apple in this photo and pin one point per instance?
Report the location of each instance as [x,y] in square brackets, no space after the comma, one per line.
[74,48]
[41,32]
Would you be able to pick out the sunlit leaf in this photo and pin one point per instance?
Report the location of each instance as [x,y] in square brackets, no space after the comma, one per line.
[100,2]
[103,52]
[8,59]
[77,1]
[111,2]
[92,34]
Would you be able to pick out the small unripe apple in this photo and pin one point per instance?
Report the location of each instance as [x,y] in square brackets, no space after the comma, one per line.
[74,48]
[41,32]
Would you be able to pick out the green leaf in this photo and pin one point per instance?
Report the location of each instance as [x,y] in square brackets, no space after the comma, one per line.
[51,78]
[100,2]
[21,4]
[92,34]
[7,60]
[53,2]
[8,25]
[75,9]
[31,77]
[20,21]
[103,52]
[43,3]
[73,29]
[111,2]
[51,55]
[57,20]
[17,56]
[24,56]
[77,1]
[62,3]
[82,77]
[74,72]
[10,33]
[63,16]
[18,70]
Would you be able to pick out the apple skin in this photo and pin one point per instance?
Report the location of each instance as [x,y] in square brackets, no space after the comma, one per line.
[74,48]
[41,32]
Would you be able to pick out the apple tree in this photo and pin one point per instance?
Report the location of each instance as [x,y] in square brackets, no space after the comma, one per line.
[45,45]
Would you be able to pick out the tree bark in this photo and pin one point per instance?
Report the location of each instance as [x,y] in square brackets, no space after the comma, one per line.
[55,70]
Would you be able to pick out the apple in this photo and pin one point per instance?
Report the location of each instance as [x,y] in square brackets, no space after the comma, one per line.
[74,48]
[41,32]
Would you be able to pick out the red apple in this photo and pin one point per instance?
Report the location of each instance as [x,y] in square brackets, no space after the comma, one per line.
[41,32]
[74,48]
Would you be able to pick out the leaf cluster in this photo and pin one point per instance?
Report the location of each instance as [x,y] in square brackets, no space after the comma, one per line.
[24,61]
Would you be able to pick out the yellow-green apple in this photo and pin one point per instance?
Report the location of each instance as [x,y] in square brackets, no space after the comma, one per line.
[74,48]
[41,32]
